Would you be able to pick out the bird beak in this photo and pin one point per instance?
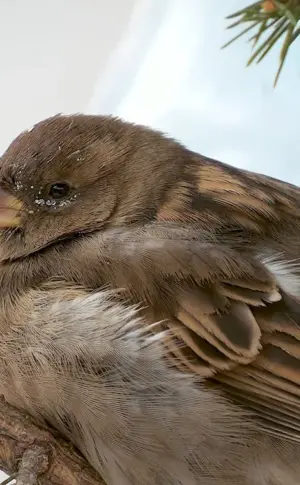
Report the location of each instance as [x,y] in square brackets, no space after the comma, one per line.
[10,207]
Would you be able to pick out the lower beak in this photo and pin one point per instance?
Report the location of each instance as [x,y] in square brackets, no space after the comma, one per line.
[10,207]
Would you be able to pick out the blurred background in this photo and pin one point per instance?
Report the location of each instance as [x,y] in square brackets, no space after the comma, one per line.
[156,62]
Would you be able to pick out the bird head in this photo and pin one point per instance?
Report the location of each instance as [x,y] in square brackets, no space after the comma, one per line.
[73,175]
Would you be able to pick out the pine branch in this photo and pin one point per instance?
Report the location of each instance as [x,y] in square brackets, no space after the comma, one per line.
[274,20]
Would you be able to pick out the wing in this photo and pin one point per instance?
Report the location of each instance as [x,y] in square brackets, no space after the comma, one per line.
[235,335]
[231,320]
[257,208]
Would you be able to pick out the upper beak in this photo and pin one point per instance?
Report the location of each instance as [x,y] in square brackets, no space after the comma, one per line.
[10,207]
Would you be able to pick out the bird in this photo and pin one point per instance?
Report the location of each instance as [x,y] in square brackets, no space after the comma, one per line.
[202,260]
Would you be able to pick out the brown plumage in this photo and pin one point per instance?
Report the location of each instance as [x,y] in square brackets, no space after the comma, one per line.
[207,250]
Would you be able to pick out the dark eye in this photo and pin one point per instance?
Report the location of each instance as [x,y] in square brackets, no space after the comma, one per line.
[59,190]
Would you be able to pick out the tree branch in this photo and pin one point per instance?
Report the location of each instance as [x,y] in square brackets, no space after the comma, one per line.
[36,456]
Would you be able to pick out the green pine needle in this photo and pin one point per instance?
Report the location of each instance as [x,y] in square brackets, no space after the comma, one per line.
[282,22]
[270,41]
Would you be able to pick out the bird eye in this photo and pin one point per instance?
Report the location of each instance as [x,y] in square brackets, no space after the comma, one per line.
[59,190]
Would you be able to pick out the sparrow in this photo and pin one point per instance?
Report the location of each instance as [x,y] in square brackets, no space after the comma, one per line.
[202,255]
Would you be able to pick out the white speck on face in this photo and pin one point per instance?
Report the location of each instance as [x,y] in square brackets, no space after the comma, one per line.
[63,203]
[31,186]
[47,202]
[53,203]
[73,153]
[39,201]
[19,186]
[30,211]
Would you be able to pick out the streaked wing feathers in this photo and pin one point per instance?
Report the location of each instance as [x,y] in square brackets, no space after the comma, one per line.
[248,345]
